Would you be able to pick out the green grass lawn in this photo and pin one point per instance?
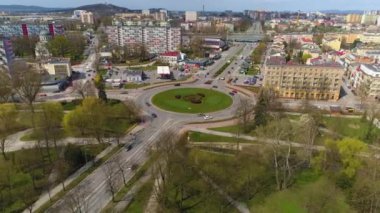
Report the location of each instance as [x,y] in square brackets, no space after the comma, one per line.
[135,86]
[233,129]
[349,127]
[253,70]
[211,102]
[141,198]
[203,137]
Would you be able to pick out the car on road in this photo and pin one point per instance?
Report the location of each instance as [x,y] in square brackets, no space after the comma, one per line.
[124,92]
[208,82]
[229,72]
[235,91]
[222,78]
[177,85]
[215,86]
[207,117]
[201,115]
[154,115]
[129,147]
[350,109]
[232,94]
[148,104]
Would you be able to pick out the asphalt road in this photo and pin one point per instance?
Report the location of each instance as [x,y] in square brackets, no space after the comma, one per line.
[95,185]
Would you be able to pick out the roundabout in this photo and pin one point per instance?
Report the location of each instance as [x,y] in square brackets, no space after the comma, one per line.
[192,100]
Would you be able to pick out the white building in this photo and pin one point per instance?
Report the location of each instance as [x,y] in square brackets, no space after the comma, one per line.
[87,17]
[369,75]
[171,58]
[191,16]
[58,67]
[154,39]
[6,53]
[369,19]
[145,12]
[77,13]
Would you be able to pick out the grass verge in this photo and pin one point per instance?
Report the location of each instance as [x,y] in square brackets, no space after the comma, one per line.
[123,191]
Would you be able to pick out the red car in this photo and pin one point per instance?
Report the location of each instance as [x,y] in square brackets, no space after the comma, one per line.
[234,91]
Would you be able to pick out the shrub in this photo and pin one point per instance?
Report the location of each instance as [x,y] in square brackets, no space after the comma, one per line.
[178,96]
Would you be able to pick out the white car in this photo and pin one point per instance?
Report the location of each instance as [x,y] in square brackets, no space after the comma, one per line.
[221,78]
[207,117]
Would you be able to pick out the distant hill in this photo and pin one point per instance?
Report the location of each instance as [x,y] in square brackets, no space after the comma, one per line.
[24,8]
[103,9]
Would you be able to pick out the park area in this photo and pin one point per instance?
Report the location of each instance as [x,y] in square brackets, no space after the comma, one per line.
[192,100]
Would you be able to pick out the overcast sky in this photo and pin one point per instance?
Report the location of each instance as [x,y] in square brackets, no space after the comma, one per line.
[212,5]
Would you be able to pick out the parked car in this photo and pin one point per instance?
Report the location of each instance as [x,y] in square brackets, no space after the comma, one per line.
[148,104]
[215,86]
[177,85]
[222,78]
[201,115]
[124,92]
[232,94]
[235,91]
[154,115]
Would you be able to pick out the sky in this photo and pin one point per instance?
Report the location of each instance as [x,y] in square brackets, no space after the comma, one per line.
[215,5]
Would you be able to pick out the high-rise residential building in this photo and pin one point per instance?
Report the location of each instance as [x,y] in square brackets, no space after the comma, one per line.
[369,19]
[145,12]
[154,39]
[87,17]
[6,52]
[30,29]
[191,16]
[353,18]
[319,81]
[77,13]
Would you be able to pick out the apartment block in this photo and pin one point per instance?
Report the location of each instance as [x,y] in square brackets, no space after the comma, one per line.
[87,17]
[320,81]
[191,16]
[154,39]
[353,18]
[6,52]
[30,29]
[368,76]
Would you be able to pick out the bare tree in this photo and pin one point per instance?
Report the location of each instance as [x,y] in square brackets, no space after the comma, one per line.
[83,88]
[77,202]
[27,83]
[120,167]
[110,175]
[8,123]
[276,133]
[5,86]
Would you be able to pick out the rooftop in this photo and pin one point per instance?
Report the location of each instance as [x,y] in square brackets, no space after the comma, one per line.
[173,53]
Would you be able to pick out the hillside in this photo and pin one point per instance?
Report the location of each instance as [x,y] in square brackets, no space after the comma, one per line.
[24,8]
[103,9]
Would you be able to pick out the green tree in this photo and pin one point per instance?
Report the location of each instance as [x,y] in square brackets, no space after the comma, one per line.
[305,57]
[262,107]
[349,149]
[24,46]
[59,46]
[89,119]
[8,123]
[50,123]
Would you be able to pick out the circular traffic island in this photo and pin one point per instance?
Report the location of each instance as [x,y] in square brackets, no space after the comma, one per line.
[192,100]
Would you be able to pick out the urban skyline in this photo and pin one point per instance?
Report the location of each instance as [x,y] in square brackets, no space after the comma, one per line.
[280,5]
